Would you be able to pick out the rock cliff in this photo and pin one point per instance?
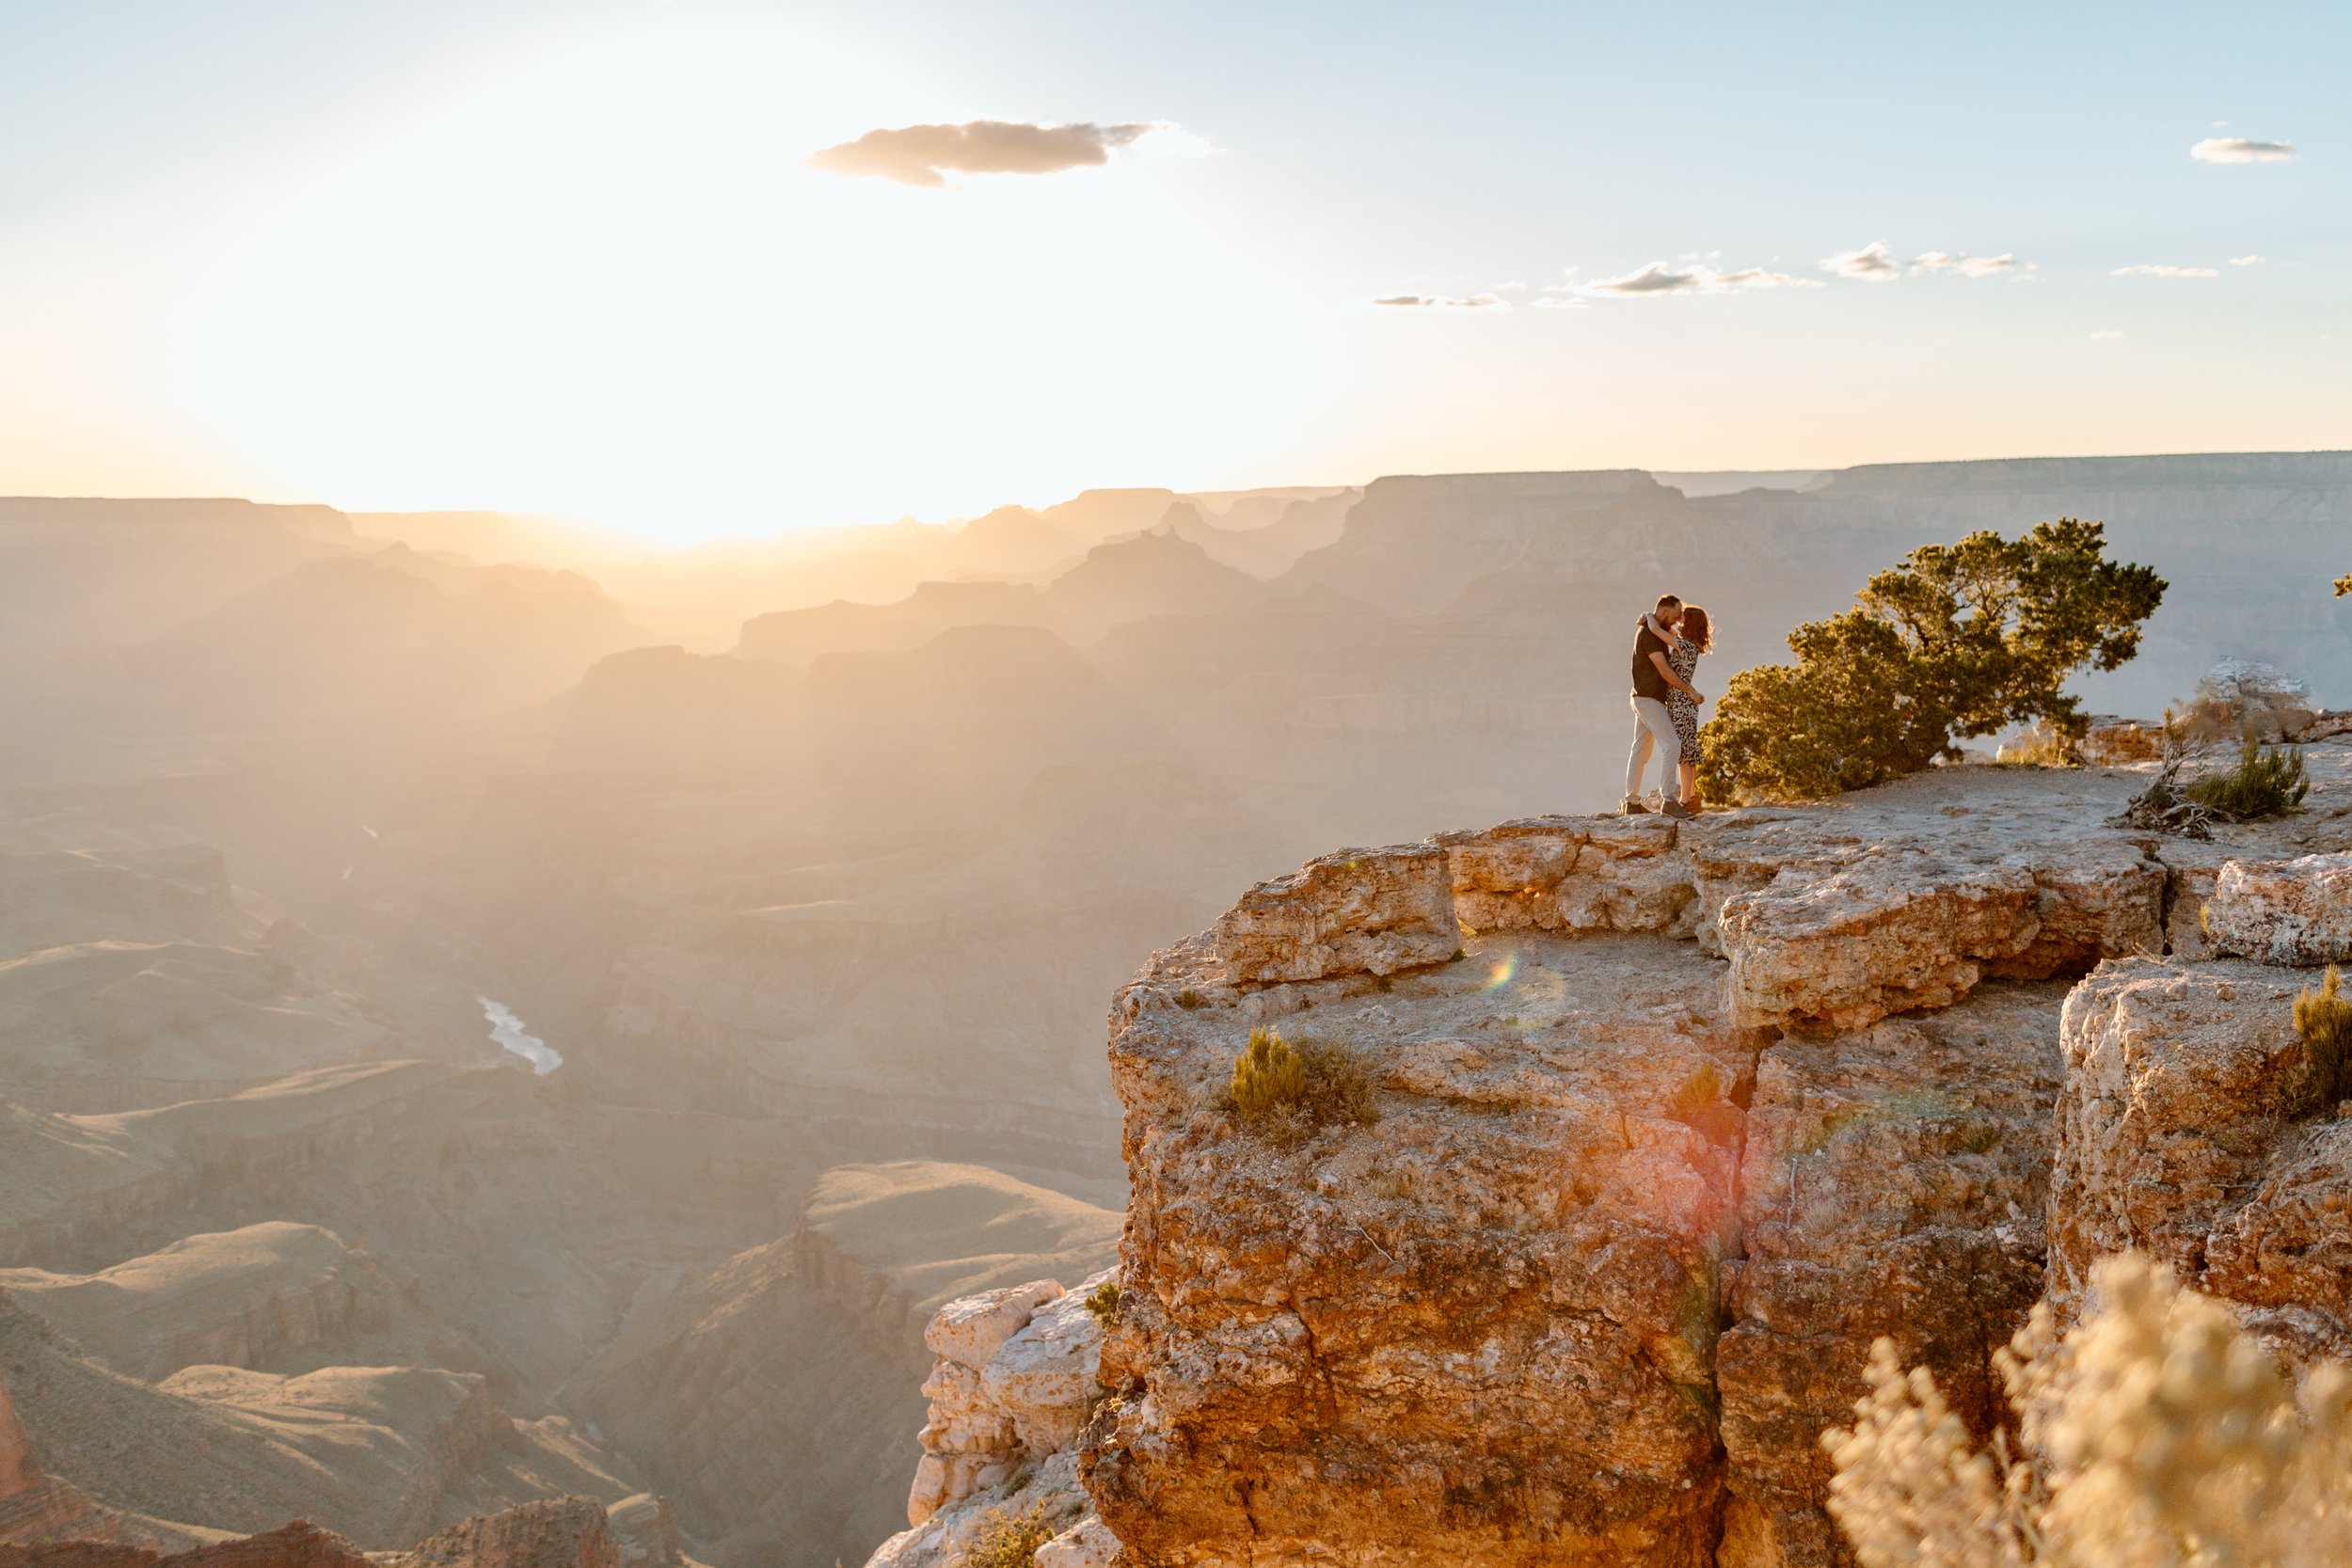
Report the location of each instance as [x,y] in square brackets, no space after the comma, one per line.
[1672,1121]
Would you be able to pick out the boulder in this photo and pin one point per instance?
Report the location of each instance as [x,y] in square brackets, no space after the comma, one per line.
[1570,874]
[1894,932]
[1375,912]
[970,1329]
[2295,913]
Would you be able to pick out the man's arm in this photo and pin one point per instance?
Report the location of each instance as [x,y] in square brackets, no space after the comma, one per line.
[1673,680]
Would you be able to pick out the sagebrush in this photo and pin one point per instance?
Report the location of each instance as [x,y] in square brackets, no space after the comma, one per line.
[1101,1305]
[2323,1022]
[1009,1537]
[1288,1090]
[2267,780]
[2154,1435]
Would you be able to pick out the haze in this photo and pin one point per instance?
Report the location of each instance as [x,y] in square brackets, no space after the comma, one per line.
[619,621]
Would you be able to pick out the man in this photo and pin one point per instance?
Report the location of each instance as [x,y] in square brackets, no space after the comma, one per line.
[1653,725]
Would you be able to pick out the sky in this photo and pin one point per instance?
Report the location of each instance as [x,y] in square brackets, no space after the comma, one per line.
[697,267]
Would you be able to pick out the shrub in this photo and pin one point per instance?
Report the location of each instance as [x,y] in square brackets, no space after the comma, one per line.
[2156,1432]
[2268,781]
[1289,1091]
[2322,1020]
[1190,999]
[1958,641]
[1010,1538]
[1101,1305]
[2039,746]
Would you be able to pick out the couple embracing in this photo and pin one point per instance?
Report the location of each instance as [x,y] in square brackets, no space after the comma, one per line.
[1666,649]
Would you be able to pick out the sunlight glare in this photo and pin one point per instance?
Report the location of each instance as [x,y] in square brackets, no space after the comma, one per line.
[608,287]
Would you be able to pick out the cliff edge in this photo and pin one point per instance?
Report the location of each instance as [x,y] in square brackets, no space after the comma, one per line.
[1672,1122]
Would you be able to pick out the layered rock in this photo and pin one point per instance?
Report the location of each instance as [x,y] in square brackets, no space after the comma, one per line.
[1355,911]
[2296,911]
[2196,1126]
[1016,1379]
[1700,1110]
[1570,874]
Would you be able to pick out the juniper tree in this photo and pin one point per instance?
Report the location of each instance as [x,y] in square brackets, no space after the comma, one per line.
[1958,641]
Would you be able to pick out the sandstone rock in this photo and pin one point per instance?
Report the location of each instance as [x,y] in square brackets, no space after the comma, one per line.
[1899,927]
[1044,1377]
[2295,913]
[969,1330]
[2112,742]
[1570,874]
[2195,1126]
[2176,1077]
[1893,1184]
[1414,1341]
[1895,930]
[998,1443]
[1373,911]
[1088,1544]
[558,1532]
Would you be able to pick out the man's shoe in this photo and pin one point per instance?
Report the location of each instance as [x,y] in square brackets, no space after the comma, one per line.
[1632,807]
[1677,809]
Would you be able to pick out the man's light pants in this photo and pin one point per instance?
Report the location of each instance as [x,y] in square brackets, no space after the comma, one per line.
[1652,724]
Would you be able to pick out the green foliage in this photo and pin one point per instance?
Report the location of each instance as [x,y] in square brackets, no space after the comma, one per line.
[2344,585]
[1101,1305]
[1958,641]
[1287,1091]
[2322,1020]
[2267,782]
[1010,1538]
[1190,999]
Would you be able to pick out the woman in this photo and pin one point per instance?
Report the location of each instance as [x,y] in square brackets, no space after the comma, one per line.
[1691,638]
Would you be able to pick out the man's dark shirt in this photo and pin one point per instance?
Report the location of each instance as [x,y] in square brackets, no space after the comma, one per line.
[1647,681]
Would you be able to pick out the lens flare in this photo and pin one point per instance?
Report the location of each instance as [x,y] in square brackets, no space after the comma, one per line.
[1504,972]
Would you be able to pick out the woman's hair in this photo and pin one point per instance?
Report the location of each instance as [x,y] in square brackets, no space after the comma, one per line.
[1694,627]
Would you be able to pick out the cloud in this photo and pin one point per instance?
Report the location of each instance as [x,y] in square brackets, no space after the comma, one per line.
[1873,262]
[1443,302]
[2245,260]
[2109,336]
[1658,279]
[926,154]
[1969,266]
[2240,149]
[2161,269]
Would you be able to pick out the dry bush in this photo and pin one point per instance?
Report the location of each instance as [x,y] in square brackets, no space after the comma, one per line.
[2268,781]
[2040,744]
[1010,1538]
[2155,1434]
[1287,1091]
[2322,1020]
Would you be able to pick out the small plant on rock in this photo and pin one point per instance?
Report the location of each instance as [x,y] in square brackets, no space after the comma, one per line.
[2322,1020]
[1101,1305]
[1287,1091]
[2268,781]
[1190,999]
[1010,1538]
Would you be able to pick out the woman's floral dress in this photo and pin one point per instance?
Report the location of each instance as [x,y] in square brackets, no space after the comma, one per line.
[1684,657]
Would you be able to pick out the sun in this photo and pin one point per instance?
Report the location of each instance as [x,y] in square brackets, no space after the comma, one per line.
[608,285]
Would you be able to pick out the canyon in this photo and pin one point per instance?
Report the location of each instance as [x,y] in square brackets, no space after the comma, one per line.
[809,863]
